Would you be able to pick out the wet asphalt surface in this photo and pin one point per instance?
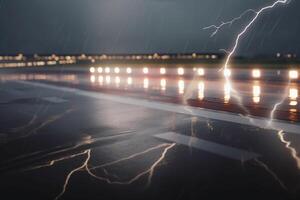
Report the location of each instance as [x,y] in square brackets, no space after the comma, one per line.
[62,145]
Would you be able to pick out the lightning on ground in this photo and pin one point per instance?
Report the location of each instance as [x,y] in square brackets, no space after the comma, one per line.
[91,170]
[289,147]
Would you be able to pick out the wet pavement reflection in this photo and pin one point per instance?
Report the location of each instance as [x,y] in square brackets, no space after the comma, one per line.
[115,134]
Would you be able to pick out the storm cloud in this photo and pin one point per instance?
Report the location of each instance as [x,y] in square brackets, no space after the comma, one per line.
[142,26]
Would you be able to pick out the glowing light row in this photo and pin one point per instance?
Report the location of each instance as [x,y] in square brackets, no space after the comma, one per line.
[256,89]
[107,70]
[116,70]
[256,73]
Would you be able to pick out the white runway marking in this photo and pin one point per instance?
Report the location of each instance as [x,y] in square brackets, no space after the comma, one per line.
[181,109]
[211,147]
[55,99]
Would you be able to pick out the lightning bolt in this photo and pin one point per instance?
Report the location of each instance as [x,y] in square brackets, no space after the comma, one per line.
[230,53]
[130,157]
[85,167]
[48,121]
[271,173]
[149,171]
[276,105]
[291,149]
[31,122]
[218,27]
[246,28]
[53,162]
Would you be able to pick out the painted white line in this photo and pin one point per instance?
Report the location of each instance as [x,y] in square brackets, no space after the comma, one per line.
[181,109]
[55,99]
[211,147]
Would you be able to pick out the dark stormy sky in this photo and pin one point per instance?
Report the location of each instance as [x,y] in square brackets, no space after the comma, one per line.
[142,26]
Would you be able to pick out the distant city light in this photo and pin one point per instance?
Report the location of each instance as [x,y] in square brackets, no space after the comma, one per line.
[256,99]
[145,70]
[100,69]
[92,69]
[180,71]
[200,72]
[293,74]
[117,70]
[107,70]
[227,73]
[129,70]
[256,73]
[162,70]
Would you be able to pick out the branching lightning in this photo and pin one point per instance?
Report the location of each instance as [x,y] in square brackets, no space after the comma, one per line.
[271,173]
[31,122]
[246,28]
[149,171]
[288,146]
[49,121]
[85,167]
[276,105]
[218,27]
[53,162]
[131,156]
[230,53]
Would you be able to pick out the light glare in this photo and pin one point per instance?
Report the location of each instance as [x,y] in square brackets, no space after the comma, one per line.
[145,70]
[181,86]
[180,71]
[201,72]
[129,70]
[256,73]
[117,70]
[146,83]
[162,70]
[293,74]
[293,93]
[163,84]
[92,69]
[227,73]
[201,88]
[100,69]
[107,70]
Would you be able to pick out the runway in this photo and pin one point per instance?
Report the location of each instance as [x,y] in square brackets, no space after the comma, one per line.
[82,133]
